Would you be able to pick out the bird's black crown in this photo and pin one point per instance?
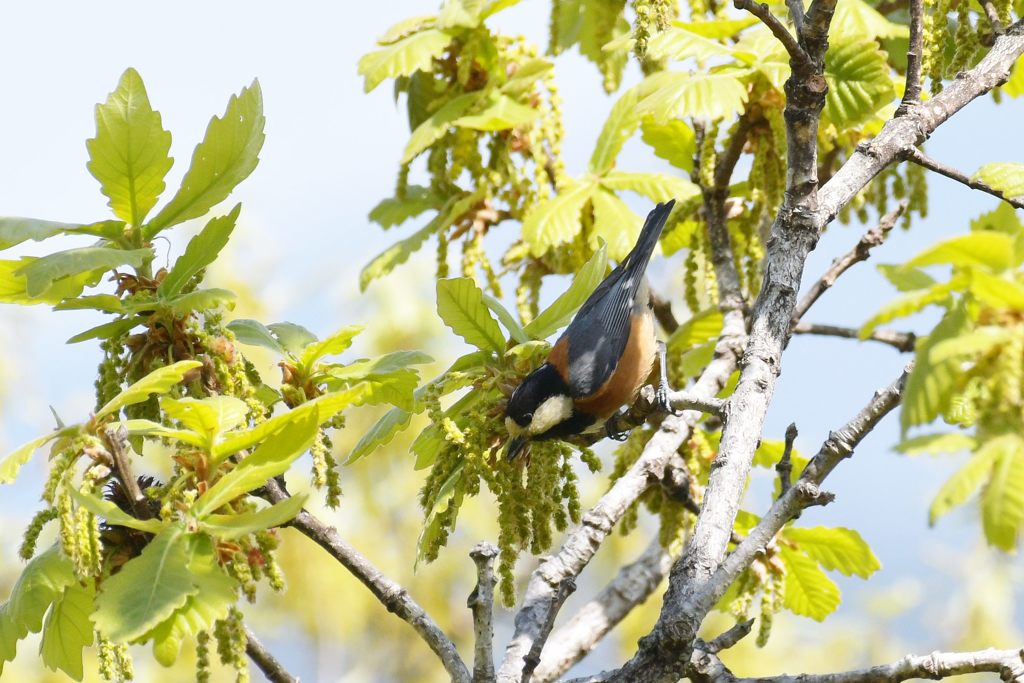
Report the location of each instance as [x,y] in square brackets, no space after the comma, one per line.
[539,385]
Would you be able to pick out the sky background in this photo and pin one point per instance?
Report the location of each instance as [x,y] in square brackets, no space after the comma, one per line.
[331,153]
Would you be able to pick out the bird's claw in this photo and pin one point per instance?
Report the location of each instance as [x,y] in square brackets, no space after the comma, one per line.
[661,402]
[612,432]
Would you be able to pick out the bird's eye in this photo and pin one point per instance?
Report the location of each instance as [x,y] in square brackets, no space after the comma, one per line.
[528,417]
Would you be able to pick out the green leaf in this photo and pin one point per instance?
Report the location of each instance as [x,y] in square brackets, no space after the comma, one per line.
[1002,499]
[396,210]
[1014,86]
[236,526]
[272,457]
[14,287]
[838,549]
[254,333]
[461,306]
[403,57]
[673,141]
[148,589]
[558,314]
[933,444]
[157,382]
[697,358]
[973,343]
[68,630]
[556,220]
[227,155]
[521,83]
[394,388]
[15,230]
[930,385]
[1006,177]
[129,155]
[201,251]
[515,330]
[333,345]
[397,254]
[406,27]
[906,279]
[200,300]
[622,121]
[155,429]
[213,597]
[996,291]
[434,128]
[1003,218]
[708,96]
[41,273]
[114,515]
[210,417]
[12,464]
[293,337]
[382,365]
[718,28]
[808,591]
[857,19]
[678,44]
[911,303]
[964,482]
[502,114]
[114,328]
[992,250]
[41,583]
[659,187]
[858,80]
[381,433]
[108,303]
[769,453]
[702,327]
[615,223]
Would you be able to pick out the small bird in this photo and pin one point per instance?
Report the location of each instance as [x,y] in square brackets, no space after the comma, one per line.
[600,361]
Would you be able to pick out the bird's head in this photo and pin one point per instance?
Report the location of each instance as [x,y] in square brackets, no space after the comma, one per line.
[538,405]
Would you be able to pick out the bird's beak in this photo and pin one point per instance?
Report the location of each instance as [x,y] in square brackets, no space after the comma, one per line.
[515,446]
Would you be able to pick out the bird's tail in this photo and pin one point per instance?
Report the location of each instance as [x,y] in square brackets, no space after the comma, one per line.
[636,261]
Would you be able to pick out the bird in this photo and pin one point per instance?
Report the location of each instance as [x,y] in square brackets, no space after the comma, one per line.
[600,361]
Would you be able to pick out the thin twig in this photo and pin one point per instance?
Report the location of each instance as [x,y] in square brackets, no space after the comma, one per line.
[663,313]
[1007,663]
[860,252]
[392,595]
[919,158]
[116,439]
[912,92]
[481,602]
[796,13]
[902,341]
[531,660]
[778,29]
[729,638]
[265,661]
[992,14]
[784,468]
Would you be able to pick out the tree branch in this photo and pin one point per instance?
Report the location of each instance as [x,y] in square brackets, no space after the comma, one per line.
[912,91]
[265,661]
[633,584]
[392,595]
[1007,663]
[581,543]
[784,468]
[481,602]
[902,341]
[921,159]
[116,439]
[860,252]
[907,132]
[778,29]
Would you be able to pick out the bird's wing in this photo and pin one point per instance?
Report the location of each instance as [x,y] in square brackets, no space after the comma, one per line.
[598,334]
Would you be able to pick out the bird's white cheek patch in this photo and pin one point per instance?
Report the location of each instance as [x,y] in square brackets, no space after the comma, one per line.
[553,411]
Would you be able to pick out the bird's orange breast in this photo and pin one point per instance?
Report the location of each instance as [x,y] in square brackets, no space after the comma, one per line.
[630,374]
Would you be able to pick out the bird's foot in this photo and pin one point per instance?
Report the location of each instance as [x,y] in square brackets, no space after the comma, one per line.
[612,430]
[661,402]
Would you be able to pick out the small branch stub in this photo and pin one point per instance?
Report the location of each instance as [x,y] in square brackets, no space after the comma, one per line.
[481,602]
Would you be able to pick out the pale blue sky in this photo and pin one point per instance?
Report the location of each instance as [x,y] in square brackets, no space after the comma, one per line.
[331,153]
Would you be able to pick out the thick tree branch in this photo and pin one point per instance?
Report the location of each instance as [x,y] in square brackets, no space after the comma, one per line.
[778,29]
[912,91]
[393,596]
[860,252]
[481,602]
[631,587]
[582,542]
[1008,664]
[903,341]
[265,661]
[531,660]
[904,133]
[921,159]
